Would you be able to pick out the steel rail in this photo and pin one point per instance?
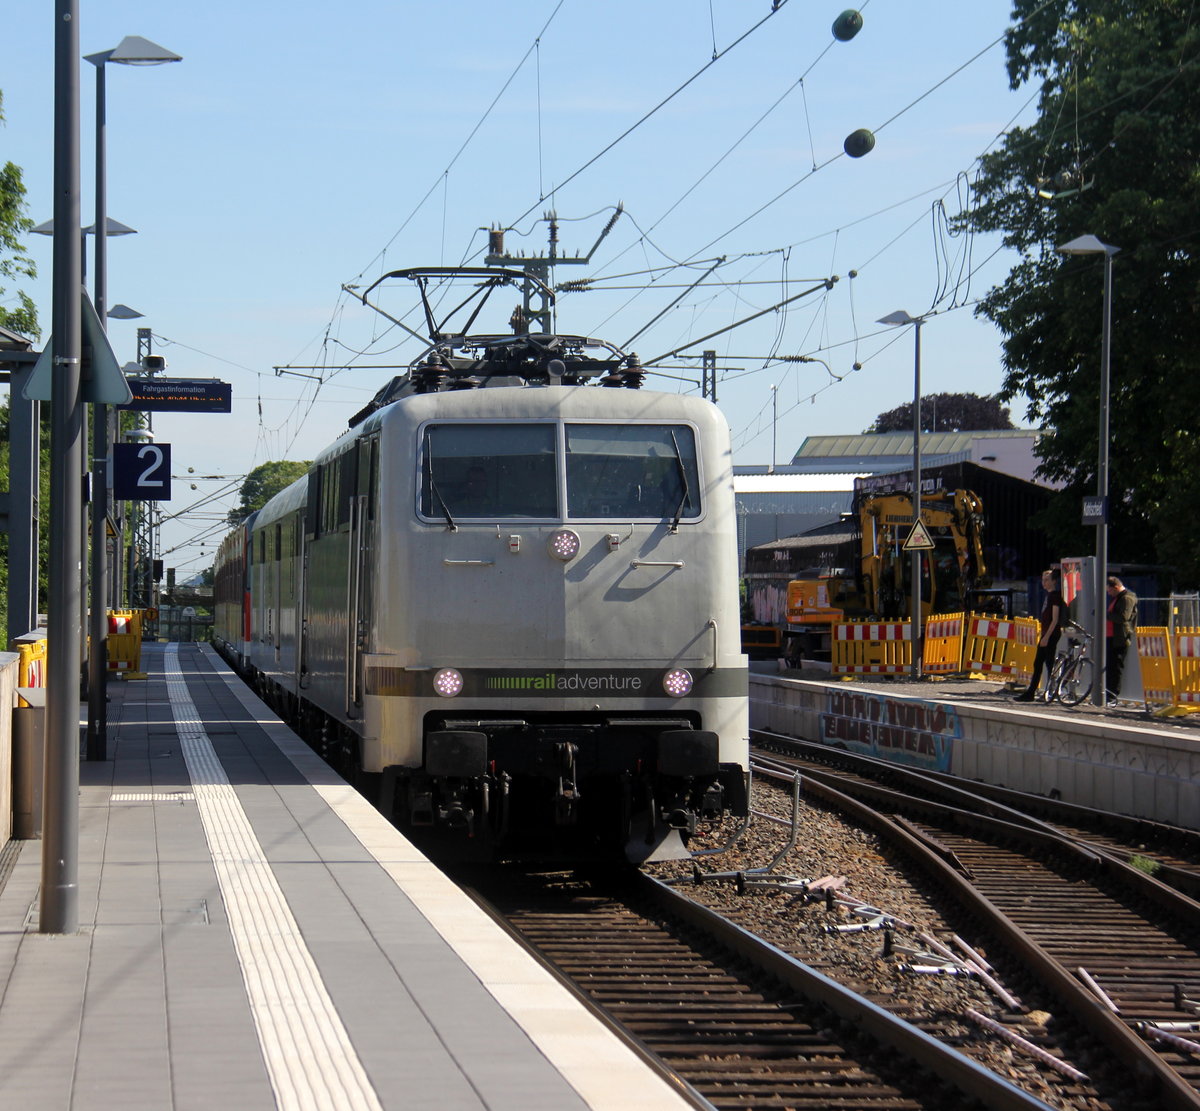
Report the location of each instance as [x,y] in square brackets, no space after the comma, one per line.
[1023,808]
[966,1074]
[1173,1090]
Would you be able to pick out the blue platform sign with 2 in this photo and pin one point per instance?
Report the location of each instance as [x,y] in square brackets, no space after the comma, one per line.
[142,472]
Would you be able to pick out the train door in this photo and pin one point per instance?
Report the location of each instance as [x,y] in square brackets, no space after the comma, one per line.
[308,527]
[276,590]
[259,588]
[362,545]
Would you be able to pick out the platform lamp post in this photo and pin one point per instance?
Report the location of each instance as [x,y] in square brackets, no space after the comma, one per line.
[59,908]
[899,319]
[130,51]
[1090,245]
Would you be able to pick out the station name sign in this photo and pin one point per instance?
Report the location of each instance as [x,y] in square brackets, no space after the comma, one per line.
[180,395]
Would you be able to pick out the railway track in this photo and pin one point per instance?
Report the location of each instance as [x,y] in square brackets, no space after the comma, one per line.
[1170,853]
[738,1021]
[1118,948]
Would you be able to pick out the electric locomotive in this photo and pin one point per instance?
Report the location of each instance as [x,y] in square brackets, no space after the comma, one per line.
[504,602]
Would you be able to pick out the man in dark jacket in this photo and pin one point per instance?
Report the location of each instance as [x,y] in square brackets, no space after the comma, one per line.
[1120,629]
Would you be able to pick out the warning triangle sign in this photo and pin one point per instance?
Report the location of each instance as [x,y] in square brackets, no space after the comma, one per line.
[102,381]
[919,539]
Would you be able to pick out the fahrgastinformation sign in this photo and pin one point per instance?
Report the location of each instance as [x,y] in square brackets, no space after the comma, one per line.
[180,395]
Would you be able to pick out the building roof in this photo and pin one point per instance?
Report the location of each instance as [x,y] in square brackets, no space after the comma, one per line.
[792,483]
[867,445]
[14,340]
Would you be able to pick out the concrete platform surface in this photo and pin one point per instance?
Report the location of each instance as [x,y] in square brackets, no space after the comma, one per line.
[253,934]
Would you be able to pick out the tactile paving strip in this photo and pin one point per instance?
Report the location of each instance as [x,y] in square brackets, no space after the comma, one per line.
[307,1051]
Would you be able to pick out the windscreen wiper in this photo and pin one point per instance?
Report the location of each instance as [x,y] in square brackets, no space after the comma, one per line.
[683,478]
[433,489]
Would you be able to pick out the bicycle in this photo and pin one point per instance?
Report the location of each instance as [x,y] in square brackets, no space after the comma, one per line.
[1073,672]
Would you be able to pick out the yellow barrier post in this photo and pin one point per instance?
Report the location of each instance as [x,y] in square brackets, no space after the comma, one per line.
[871,648]
[125,643]
[998,646]
[31,666]
[1186,651]
[1156,663]
[944,642]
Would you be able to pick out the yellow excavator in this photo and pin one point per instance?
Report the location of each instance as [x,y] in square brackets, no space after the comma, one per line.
[880,587]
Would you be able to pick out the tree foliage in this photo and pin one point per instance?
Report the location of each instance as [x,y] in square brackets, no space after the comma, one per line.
[20,316]
[263,483]
[44,501]
[947,412]
[1113,153]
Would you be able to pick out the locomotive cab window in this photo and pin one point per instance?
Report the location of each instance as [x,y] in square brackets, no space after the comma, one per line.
[488,470]
[623,471]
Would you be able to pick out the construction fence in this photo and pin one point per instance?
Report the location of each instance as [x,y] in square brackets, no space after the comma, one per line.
[980,646]
[955,644]
[124,641]
[1170,668]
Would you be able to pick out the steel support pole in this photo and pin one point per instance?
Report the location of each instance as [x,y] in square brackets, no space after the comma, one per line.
[916,624]
[774,426]
[97,719]
[1100,647]
[60,816]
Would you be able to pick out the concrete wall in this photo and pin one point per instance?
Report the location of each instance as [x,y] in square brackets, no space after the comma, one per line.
[1132,769]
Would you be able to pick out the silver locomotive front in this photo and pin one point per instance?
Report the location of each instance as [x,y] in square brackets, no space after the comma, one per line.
[552,651]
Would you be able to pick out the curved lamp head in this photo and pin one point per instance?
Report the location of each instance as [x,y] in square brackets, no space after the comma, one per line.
[133,50]
[900,317]
[1087,245]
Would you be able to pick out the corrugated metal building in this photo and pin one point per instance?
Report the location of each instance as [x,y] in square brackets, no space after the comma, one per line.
[1013,553]
[817,487]
[786,503]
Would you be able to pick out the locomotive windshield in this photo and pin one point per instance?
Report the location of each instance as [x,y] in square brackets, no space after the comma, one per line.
[489,470]
[612,471]
[626,471]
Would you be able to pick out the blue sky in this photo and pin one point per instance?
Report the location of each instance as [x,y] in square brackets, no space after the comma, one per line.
[297,149]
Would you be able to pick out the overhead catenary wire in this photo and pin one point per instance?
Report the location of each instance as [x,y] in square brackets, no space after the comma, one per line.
[304,405]
[297,415]
[684,85]
[467,141]
[776,7]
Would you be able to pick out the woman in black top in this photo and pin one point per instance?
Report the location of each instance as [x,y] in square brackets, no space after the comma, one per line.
[1053,611]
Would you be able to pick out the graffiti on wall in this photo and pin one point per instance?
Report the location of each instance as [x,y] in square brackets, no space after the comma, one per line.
[903,731]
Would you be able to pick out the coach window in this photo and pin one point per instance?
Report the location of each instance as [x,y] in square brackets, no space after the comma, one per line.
[312,504]
[330,486]
[628,471]
[488,470]
[347,483]
[368,473]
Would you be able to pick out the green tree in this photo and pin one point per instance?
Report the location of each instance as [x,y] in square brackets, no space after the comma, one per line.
[263,483]
[1113,153]
[947,412]
[14,262]
[19,315]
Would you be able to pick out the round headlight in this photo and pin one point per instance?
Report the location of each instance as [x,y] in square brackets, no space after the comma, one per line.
[448,682]
[564,544]
[677,682]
